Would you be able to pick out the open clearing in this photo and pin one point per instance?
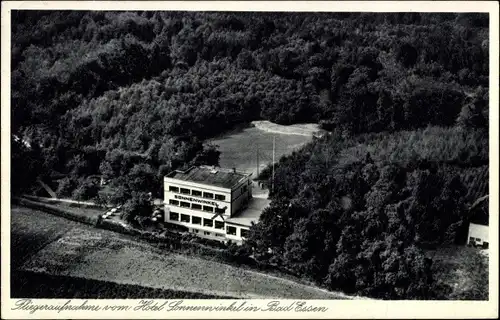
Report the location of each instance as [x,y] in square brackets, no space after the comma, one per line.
[239,147]
[463,269]
[75,250]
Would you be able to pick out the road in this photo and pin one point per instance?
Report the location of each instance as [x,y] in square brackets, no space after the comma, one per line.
[51,245]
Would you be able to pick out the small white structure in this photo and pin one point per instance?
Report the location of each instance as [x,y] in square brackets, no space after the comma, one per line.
[478,227]
[478,235]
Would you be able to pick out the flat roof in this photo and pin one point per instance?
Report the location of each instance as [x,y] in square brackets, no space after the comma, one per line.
[251,213]
[214,176]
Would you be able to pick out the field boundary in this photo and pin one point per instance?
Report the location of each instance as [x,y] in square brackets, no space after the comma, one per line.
[56,211]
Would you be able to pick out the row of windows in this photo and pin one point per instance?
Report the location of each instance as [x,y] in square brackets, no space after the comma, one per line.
[207,223]
[194,206]
[232,231]
[197,193]
[475,241]
[196,220]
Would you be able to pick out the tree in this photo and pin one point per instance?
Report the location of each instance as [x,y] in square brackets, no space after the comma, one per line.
[474,114]
[88,189]
[139,205]
[407,55]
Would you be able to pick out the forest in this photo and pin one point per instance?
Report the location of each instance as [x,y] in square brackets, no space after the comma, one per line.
[130,96]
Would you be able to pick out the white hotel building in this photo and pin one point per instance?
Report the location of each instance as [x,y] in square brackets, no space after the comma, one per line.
[211,202]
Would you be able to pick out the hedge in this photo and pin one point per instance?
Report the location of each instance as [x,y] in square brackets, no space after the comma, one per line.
[57,211]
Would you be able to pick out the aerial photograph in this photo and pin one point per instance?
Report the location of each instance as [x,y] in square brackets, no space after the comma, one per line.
[249,155]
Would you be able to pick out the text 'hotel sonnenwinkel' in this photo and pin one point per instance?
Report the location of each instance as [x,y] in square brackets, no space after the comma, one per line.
[212,203]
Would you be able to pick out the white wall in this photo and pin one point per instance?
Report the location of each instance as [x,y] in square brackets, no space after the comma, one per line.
[478,231]
[239,198]
[232,207]
[191,214]
[213,203]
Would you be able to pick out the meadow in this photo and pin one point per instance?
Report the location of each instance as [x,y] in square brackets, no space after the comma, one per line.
[462,271]
[239,147]
[82,253]
[44,286]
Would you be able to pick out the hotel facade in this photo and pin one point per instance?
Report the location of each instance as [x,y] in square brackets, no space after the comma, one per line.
[213,203]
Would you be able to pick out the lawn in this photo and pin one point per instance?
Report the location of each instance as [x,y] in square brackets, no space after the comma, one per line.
[37,285]
[461,272]
[239,147]
[79,251]
[31,230]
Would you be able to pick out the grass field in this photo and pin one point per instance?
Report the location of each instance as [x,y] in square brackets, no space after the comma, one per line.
[239,147]
[31,230]
[36,285]
[462,272]
[75,251]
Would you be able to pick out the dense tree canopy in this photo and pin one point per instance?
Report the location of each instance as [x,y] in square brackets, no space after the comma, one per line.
[359,221]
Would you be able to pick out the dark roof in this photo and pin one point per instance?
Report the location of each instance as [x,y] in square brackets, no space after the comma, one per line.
[218,177]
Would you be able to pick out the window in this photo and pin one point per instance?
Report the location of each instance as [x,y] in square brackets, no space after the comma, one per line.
[185,218]
[174,216]
[208,195]
[185,191]
[195,231]
[196,193]
[485,245]
[173,189]
[208,208]
[208,222]
[219,225]
[173,202]
[231,230]
[206,233]
[196,220]
[244,233]
[185,204]
[218,235]
[471,239]
[196,206]
[220,197]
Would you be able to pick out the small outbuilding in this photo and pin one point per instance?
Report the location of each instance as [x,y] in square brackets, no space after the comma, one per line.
[478,235]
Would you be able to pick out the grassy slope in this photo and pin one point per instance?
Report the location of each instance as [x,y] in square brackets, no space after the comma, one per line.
[84,252]
[36,285]
[463,269]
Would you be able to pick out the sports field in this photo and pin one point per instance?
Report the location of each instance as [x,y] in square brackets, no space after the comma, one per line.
[240,148]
